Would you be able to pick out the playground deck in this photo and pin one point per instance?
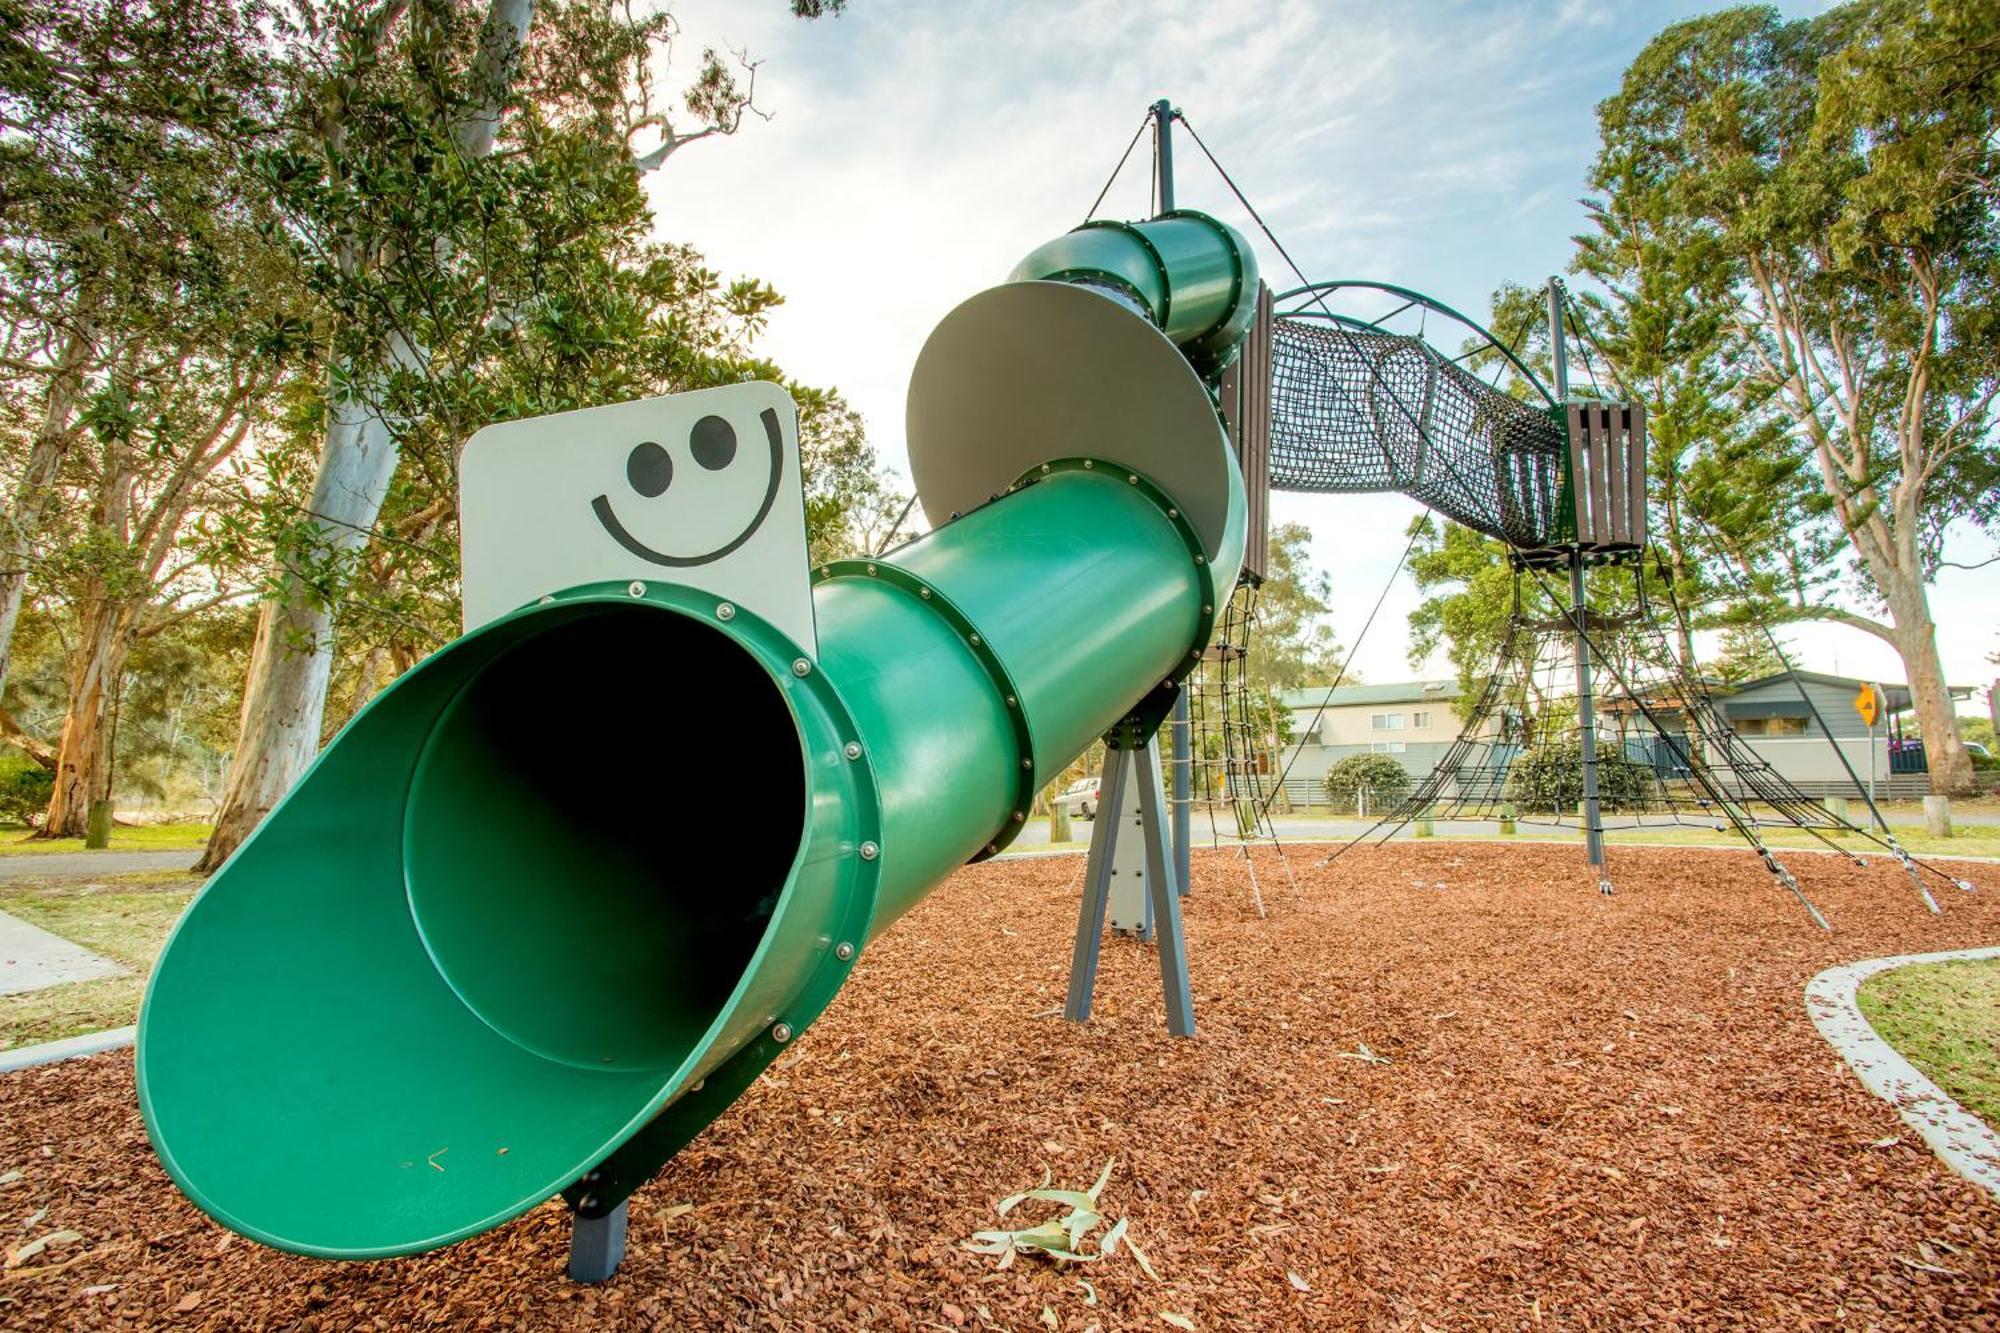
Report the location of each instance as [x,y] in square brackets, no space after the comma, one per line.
[1581,1112]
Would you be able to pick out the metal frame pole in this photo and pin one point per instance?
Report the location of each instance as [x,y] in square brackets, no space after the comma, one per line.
[1180,727]
[1586,707]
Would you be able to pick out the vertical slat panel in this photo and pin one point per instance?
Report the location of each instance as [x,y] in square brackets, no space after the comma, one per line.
[1612,443]
[1599,500]
[1635,446]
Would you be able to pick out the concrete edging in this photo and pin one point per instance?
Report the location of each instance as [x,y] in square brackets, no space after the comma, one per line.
[69,1048]
[1964,1141]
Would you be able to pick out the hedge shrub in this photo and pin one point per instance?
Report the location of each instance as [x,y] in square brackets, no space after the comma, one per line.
[1387,781]
[1550,777]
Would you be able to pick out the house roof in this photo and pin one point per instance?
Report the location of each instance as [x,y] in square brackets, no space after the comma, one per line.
[1392,692]
[1896,695]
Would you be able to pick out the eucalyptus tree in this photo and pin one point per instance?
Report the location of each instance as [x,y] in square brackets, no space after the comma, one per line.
[114,115]
[1844,170]
[151,321]
[460,184]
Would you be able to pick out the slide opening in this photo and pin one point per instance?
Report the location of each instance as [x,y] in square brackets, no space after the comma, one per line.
[599,830]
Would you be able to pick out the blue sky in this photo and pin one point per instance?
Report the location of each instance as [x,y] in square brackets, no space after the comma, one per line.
[916,150]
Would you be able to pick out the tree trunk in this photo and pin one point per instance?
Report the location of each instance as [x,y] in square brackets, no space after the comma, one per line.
[1915,639]
[31,498]
[286,702]
[82,759]
[293,662]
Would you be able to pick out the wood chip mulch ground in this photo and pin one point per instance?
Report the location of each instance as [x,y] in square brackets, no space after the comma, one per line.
[1581,1112]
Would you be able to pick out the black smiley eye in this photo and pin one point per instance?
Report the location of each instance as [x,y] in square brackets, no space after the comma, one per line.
[649,469]
[713,443]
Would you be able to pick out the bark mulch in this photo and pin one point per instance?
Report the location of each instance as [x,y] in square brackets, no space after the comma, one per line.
[1581,1112]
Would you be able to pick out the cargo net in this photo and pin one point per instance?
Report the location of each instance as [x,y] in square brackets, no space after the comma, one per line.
[1666,755]
[1358,409]
[1234,742]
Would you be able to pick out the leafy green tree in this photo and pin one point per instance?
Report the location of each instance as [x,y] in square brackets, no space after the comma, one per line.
[1844,168]
[460,185]
[1293,644]
[1745,653]
[161,321]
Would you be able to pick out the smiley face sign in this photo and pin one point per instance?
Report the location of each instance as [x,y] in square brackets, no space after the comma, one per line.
[700,489]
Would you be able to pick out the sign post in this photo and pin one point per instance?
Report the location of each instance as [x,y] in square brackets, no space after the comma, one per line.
[1868,703]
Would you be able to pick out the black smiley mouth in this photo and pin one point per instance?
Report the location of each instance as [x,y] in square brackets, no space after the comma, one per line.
[601,506]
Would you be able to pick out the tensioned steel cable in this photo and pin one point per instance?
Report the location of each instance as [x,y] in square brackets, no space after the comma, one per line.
[1119,169]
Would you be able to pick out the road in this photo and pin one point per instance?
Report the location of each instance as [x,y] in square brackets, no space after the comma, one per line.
[30,864]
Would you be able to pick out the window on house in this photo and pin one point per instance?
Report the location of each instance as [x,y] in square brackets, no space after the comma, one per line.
[1387,747]
[1771,726]
[1420,721]
[1385,722]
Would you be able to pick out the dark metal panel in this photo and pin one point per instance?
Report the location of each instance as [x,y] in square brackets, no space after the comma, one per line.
[1246,404]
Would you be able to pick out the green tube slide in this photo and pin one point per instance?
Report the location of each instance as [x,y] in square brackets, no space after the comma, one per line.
[553,900]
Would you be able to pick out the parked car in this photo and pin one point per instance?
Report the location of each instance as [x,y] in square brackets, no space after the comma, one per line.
[1081,798]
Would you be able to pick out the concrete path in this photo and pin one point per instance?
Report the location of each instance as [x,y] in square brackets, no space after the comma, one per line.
[1960,1138]
[26,865]
[33,959]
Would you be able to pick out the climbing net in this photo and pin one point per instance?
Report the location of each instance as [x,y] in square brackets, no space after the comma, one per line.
[1234,741]
[1666,755]
[1356,408]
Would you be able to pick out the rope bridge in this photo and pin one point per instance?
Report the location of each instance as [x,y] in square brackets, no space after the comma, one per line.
[1354,408]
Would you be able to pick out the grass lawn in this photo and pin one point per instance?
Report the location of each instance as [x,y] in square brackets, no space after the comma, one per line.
[1945,1019]
[125,917]
[15,840]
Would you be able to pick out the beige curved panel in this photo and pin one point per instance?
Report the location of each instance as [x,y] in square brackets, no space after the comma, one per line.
[1031,371]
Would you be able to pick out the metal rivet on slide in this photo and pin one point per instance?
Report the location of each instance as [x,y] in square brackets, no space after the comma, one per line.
[1045,467]
[1173,513]
[853,750]
[546,600]
[636,588]
[1201,560]
[1010,701]
[725,612]
[924,593]
[1020,817]
[975,641]
[869,851]
[781,1033]
[801,667]
[843,951]
[1088,464]
[1028,764]
[1132,477]
[871,571]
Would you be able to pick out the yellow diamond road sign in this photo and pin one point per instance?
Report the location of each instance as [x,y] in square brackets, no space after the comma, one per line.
[1868,703]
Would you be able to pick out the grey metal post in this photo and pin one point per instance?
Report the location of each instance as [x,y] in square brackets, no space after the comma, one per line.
[1166,899]
[597,1245]
[1180,727]
[1586,707]
[1096,886]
